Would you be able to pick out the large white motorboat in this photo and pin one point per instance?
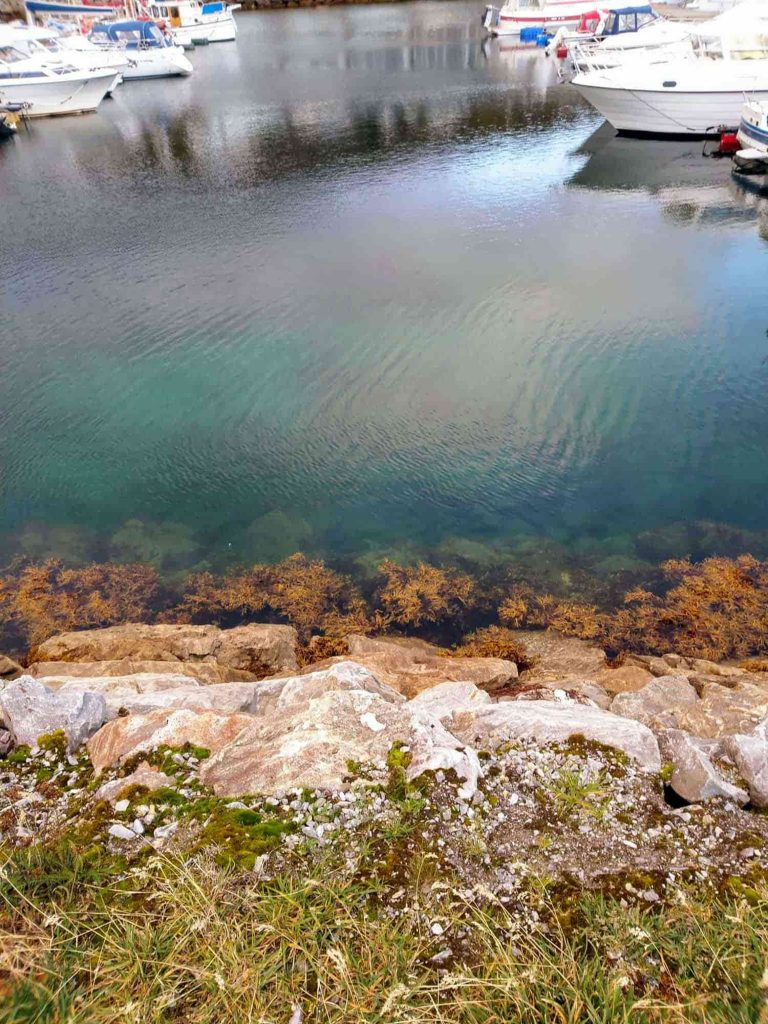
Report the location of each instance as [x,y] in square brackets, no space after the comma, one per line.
[53,48]
[47,89]
[696,93]
[152,54]
[548,15]
[625,33]
[190,21]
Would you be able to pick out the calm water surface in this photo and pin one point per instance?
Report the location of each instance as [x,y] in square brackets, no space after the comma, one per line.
[363,278]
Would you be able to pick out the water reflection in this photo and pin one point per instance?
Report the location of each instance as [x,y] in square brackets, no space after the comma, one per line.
[363,283]
[691,187]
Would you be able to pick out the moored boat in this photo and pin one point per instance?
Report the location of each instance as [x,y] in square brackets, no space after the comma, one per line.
[152,54]
[44,89]
[549,15]
[192,22]
[753,126]
[697,93]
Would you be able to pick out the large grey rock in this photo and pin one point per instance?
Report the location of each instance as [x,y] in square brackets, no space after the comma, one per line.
[123,738]
[260,649]
[311,746]
[750,755]
[656,704]
[200,671]
[547,723]
[30,710]
[410,666]
[725,711]
[694,776]
[443,700]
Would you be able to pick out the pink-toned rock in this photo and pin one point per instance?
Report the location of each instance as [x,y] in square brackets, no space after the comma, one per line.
[260,649]
[202,671]
[410,666]
[124,737]
[560,657]
[311,745]
[725,710]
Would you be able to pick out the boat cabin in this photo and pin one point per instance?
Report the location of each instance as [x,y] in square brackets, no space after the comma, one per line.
[178,14]
[619,20]
[134,35]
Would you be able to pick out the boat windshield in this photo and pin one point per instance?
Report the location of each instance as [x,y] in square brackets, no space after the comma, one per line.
[627,21]
[148,34]
[9,55]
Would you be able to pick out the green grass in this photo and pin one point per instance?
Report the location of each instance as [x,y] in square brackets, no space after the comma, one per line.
[85,941]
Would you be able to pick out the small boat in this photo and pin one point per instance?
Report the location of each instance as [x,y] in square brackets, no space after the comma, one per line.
[697,93]
[191,22]
[548,15]
[753,126]
[44,89]
[152,54]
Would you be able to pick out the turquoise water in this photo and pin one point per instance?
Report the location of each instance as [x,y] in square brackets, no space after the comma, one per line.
[364,282]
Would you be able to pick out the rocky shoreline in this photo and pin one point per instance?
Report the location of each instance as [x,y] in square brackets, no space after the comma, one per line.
[388,766]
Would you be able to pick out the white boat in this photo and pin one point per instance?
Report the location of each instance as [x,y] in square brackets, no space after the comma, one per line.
[50,46]
[611,47]
[49,89]
[548,15]
[191,22]
[697,93]
[753,126]
[152,54]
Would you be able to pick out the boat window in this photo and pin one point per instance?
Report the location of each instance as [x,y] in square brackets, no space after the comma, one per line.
[9,54]
[131,35]
[645,19]
[174,12]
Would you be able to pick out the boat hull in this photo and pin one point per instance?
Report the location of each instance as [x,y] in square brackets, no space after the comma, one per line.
[50,97]
[162,62]
[550,17]
[651,112]
[223,31]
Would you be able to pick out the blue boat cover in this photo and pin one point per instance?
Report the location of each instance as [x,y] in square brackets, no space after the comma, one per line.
[214,8]
[49,7]
[116,31]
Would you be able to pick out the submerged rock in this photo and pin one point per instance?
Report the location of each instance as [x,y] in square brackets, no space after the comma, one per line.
[30,710]
[9,669]
[313,746]
[546,723]
[261,649]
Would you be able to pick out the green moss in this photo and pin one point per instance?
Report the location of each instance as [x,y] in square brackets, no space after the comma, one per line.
[398,762]
[55,743]
[20,755]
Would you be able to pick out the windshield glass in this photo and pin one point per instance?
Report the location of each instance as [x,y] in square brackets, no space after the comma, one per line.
[9,54]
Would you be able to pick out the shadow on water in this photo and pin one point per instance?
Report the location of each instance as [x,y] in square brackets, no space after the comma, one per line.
[690,186]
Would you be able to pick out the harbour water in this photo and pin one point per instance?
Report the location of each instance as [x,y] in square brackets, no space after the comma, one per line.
[366,281]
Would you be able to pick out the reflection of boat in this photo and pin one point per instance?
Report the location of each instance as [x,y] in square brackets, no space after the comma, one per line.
[47,89]
[548,14]
[152,54]
[693,94]
[689,188]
